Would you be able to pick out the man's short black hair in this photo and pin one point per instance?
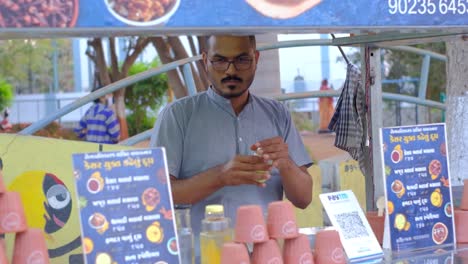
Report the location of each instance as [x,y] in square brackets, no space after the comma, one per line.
[252,39]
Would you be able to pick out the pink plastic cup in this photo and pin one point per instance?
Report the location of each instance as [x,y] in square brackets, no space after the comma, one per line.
[30,247]
[281,220]
[250,225]
[267,253]
[297,251]
[3,255]
[2,184]
[12,218]
[377,224]
[461,232]
[328,248]
[234,253]
[464,199]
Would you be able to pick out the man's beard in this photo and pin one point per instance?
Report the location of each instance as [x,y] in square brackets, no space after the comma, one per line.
[233,95]
[232,88]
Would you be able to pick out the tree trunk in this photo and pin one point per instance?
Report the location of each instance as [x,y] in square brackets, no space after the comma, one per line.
[457,107]
[173,76]
[112,73]
[181,53]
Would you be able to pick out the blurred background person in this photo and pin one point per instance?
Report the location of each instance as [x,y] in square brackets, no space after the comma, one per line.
[325,108]
[99,124]
[5,125]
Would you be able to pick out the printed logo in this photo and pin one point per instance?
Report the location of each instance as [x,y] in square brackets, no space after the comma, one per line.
[337,197]
[11,222]
[36,258]
[275,260]
[258,233]
[338,255]
[306,258]
[289,228]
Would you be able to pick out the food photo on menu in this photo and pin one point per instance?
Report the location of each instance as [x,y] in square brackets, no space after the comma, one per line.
[419,198]
[142,12]
[126,212]
[282,9]
[48,14]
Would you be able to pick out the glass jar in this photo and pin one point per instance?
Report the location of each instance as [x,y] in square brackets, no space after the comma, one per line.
[185,234]
[215,232]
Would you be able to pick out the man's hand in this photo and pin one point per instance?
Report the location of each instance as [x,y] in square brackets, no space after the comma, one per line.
[245,170]
[274,149]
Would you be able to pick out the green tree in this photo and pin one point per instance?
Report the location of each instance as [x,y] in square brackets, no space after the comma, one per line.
[6,94]
[409,64]
[28,64]
[144,98]
[403,63]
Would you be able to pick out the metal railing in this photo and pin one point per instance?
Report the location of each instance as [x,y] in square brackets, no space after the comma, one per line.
[190,84]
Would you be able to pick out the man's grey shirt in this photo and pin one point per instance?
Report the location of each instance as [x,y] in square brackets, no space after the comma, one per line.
[202,131]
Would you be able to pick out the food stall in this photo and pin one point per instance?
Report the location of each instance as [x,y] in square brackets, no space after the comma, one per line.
[369,23]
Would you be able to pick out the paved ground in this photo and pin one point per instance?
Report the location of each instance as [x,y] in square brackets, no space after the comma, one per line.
[321,146]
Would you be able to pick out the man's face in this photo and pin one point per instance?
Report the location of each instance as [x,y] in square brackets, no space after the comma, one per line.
[230,62]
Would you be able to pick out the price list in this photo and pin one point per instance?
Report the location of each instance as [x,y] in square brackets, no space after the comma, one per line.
[125,207]
[417,185]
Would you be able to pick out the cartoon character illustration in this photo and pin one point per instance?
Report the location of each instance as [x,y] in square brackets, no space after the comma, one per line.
[48,205]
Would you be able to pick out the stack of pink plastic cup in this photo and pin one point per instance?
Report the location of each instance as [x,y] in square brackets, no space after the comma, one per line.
[461,216]
[281,226]
[30,244]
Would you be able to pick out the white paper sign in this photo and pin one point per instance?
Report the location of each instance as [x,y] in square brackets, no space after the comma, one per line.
[357,237]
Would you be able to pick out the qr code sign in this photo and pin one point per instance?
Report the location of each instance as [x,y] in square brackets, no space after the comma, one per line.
[351,225]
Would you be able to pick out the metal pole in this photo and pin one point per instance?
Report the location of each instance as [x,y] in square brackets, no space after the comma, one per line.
[188,78]
[422,90]
[376,100]
[55,66]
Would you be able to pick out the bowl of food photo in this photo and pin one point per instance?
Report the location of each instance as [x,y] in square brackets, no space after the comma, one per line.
[142,12]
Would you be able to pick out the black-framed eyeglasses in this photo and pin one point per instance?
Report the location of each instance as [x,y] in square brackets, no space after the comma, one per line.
[240,63]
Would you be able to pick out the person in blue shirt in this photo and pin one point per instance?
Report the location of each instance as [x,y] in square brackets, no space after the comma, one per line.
[99,124]
[211,139]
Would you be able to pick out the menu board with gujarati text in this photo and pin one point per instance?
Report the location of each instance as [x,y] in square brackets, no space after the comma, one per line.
[417,186]
[126,210]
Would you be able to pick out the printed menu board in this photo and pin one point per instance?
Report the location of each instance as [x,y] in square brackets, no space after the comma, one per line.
[125,207]
[417,186]
[193,14]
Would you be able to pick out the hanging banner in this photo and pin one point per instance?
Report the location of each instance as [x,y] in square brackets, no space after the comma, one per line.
[417,186]
[199,14]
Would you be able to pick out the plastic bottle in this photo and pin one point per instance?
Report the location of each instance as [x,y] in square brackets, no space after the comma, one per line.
[215,232]
[185,234]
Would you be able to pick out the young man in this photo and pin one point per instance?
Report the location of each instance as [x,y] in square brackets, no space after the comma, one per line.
[210,139]
[99,124]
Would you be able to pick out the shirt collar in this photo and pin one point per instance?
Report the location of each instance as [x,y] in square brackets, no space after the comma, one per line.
[225,104]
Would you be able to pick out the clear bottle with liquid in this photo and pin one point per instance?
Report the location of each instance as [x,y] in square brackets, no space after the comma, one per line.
[185,234]
[215,232]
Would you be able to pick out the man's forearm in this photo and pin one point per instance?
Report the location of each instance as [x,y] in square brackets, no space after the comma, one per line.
[297,184]
[196,188]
